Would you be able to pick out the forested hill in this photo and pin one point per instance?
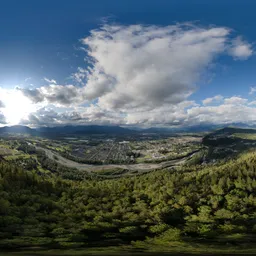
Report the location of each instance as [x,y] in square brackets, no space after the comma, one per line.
[17,129]
[233,130]
[226,135]
[115,130]
[212,204]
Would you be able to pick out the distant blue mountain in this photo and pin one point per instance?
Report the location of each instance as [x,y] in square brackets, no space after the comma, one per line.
[100,129]
[18,129]
[85,129]
[196,128]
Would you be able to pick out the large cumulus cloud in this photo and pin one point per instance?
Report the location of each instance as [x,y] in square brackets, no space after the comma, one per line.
[145,75]
[148,66]
[47,116]
[187,113]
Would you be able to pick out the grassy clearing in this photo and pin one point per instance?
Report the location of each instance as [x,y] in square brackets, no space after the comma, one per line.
[17,156]
[10,154]
[143,159]
[245,136]
[4,151]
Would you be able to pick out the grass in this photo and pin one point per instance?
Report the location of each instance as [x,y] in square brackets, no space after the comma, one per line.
[17,156]
[174,248]
[11,154]
[62,148]
[245,136]
[140,160]
[143,159]
[6,150]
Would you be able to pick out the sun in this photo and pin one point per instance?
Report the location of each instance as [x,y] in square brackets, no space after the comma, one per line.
[16,106]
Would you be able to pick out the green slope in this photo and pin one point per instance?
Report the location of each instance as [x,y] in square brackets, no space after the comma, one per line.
[196,208]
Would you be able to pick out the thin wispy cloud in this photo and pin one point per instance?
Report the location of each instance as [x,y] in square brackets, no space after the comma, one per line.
[27,79]
[50,81]
[252,90]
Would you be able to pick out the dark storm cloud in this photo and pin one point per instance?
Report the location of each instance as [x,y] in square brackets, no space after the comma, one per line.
[55,94]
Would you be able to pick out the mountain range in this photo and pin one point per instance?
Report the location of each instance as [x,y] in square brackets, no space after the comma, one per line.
[100,129]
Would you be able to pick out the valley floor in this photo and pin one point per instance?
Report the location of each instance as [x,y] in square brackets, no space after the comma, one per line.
[201,209]
[138,167]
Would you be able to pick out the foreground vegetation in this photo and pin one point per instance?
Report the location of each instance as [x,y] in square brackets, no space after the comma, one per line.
[197,209]
[154,250]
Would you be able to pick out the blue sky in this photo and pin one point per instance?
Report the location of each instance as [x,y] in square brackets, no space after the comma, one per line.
[40,47]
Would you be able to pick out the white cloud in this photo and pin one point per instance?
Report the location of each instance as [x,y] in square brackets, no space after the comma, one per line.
[1,104]
[27,79]
[252,103]
[186,113]
[80,75]
[50,81]
[144,75]
[252,90]
[240,49]
[148,66]
[214,99]
[230,111]
[222,114]
[48,116]
[235,100]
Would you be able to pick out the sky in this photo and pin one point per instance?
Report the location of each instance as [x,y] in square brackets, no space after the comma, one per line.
[153,63]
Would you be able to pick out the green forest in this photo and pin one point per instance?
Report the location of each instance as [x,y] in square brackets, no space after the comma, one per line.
[213,205]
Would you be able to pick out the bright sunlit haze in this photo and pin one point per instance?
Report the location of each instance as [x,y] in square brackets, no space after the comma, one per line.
[15,106]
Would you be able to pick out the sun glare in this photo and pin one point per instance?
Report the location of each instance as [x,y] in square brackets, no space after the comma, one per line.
[16,106]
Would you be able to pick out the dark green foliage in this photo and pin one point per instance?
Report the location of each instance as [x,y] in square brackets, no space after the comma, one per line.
[58,169]
[160,207]
[26,148]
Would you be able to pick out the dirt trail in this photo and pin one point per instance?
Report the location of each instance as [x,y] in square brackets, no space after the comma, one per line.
[138,167]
